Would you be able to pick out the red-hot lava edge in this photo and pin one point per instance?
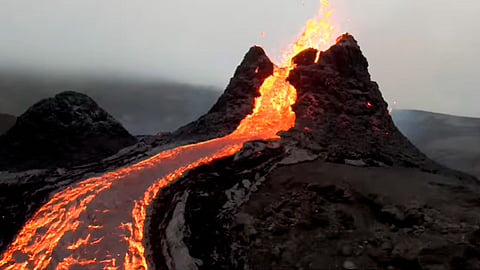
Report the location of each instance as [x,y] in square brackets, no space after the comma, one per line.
[117,243]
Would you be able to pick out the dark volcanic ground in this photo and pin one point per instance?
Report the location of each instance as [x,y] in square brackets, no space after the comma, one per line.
[318,215]
[253,212]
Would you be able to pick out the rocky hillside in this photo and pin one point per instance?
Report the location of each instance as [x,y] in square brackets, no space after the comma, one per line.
[343,189]
[6,122]
[67,130]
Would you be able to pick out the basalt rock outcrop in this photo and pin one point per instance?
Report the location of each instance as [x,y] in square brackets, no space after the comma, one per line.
[343,189]
[234,104]
[64,131]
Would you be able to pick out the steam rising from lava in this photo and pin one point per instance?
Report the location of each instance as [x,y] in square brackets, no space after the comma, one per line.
[272,113]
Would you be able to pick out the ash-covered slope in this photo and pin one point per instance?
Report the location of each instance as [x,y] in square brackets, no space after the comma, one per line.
[234,104]
[286,205]
[66,130]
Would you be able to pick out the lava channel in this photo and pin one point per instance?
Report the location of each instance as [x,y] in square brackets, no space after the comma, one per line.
[98,223]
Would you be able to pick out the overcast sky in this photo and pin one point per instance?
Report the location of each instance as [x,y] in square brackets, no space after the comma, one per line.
[424,54]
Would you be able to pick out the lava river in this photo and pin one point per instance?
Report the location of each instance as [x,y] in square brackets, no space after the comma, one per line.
[98,223]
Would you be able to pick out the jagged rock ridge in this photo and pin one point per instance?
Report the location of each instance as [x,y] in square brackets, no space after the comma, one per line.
[66,130]
[234,104]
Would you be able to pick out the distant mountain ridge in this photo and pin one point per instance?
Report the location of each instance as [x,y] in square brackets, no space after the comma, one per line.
[6,122]
[451,140]
[143,107]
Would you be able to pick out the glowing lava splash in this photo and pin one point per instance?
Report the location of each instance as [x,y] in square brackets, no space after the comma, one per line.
[98,223]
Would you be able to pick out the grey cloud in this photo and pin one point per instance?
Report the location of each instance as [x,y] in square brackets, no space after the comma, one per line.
[422,53]
[143,107]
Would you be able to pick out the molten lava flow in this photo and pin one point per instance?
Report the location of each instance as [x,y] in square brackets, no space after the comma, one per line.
[272,111]
[43,233]
[80,242]
[317,34]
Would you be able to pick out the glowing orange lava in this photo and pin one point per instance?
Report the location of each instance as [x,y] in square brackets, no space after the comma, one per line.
[317,34]
[42,233]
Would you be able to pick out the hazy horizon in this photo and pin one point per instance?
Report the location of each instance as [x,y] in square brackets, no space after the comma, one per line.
[423,55]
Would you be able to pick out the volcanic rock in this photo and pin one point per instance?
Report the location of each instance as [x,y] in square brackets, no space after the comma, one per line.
[343,189]
[66,130]
[342,112]
[306,57]
[234,104]
[6,122]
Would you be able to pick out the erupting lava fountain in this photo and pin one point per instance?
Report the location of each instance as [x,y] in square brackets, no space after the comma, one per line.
[98,223]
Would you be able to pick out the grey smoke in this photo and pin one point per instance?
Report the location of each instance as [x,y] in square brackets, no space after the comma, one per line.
[422,53]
